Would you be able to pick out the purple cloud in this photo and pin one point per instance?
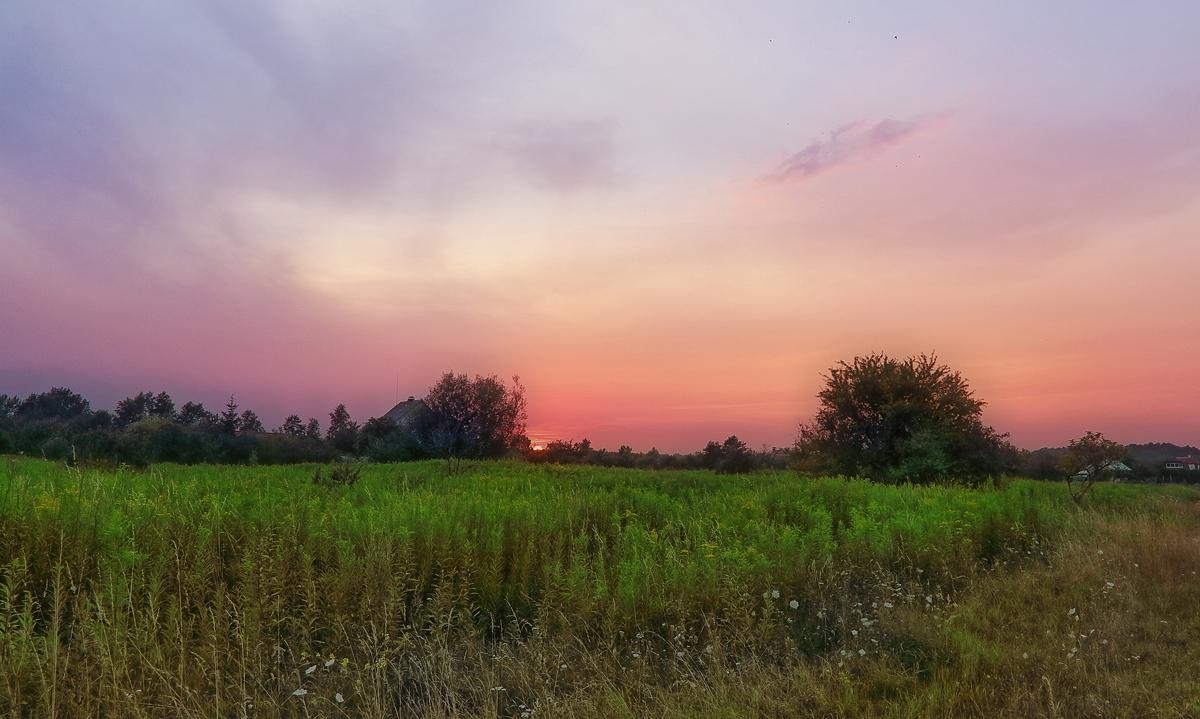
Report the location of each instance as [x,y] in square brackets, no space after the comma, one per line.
[854,141]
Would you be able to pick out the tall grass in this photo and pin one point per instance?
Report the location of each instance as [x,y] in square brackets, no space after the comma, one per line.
[252,591]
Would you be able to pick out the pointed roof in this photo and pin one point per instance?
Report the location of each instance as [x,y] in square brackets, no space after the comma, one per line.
[405,412]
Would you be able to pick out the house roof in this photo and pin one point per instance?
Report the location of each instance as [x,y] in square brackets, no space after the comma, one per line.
[405,412]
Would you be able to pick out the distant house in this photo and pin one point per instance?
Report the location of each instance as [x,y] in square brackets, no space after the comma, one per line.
[1182,464]
[406,413]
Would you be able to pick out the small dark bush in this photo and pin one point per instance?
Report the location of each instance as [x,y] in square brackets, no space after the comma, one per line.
[341,474]
[56,448]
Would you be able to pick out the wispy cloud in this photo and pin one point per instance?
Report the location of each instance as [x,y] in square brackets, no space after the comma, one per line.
[562,155]
[852,142]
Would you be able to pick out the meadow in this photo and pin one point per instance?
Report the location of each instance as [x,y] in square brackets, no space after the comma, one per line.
[518,590]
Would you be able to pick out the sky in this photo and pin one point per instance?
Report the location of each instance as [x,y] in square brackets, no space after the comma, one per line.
[668,218]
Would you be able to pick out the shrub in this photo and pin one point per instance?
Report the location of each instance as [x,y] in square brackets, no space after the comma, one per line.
[56,448]
[342,474]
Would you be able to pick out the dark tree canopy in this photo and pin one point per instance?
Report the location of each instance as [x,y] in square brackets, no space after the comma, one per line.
[313,429]
[293,426]
[230,419]
[194,413]
[473,418]
[343,431]
[249,422]
[912,420]
[58,403]
[9,405]
[133,409]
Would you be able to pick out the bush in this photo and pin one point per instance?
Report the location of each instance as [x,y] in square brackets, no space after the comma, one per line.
[56,448]
[342,474]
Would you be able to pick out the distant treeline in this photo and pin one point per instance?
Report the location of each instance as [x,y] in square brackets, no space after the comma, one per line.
[460,418]
[732,456]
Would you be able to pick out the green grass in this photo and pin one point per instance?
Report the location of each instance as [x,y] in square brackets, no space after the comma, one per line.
[165,591]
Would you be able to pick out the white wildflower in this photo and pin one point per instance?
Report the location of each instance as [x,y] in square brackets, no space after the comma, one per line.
[794,604]
[774,594]
[301,692]
[339,698]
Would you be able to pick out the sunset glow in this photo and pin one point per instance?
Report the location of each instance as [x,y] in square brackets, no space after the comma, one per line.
[668,221]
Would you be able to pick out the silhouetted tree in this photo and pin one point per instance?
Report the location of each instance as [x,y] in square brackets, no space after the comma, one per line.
[736,457]
[343,431]
[8,405]
[473,418]
[248,422]
[162,405]
[912,420]
[624,456]
[194,413]
[230,419]
[133,409]
[313,429]
[58,403]
[293,426]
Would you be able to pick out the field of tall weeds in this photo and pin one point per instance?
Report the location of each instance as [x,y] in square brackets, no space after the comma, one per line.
[516,590]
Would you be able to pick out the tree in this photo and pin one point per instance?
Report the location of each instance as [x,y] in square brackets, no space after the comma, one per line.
[710,456]
[736,457]
[133,409]
[313,429]
[624,456]
[249,422]
[1087,460]
[892,420]
[230,420]
[162,405]
[9,405]
[293,426]
[59,403]
[194,413]
[473,418]
[343,431]
[378,428]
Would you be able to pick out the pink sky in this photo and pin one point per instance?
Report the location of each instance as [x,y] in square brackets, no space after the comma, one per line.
[669,222]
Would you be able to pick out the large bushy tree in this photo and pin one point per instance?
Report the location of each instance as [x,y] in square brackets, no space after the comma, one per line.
[473,418]
[59,403]
[901,420]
